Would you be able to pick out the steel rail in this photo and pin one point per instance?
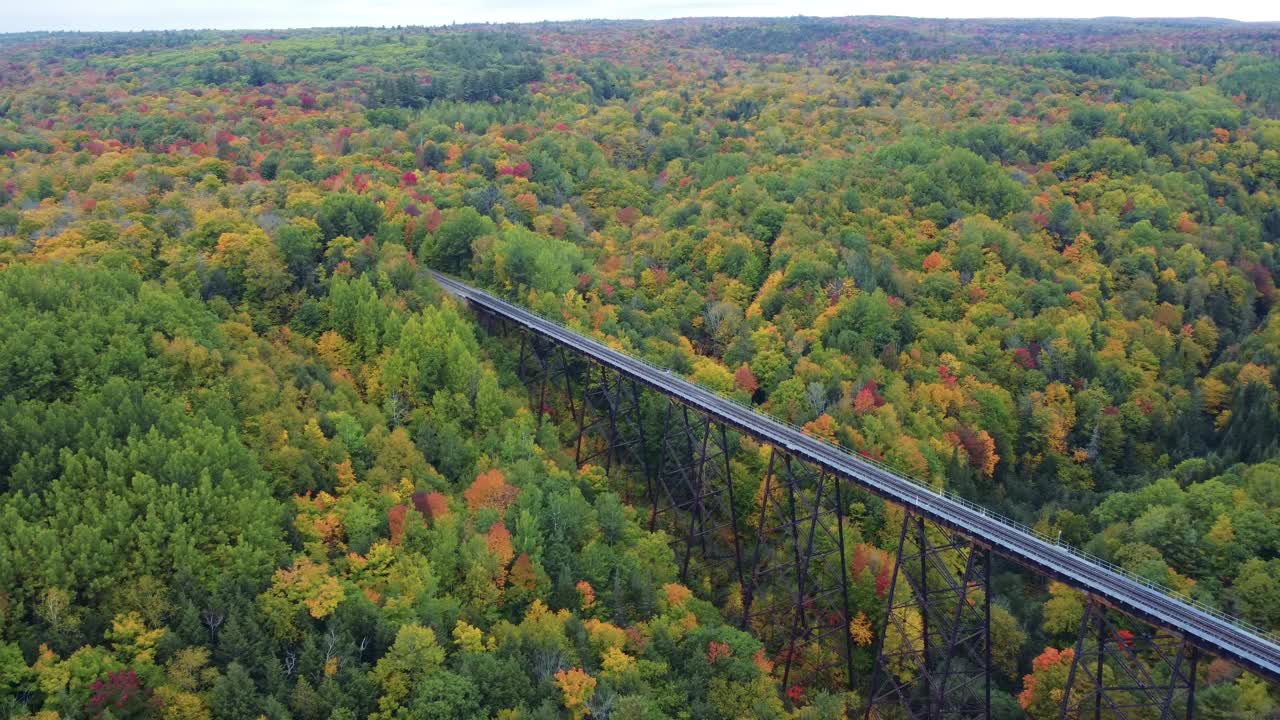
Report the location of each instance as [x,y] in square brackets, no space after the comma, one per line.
[1206,627]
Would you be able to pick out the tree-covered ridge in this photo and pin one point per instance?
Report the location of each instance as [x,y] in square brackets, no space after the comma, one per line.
[219,522]
[247,453]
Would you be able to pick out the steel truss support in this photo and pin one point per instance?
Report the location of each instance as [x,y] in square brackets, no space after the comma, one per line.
[693,493]
[1123,674]
[795,594]
[934,656]
[933,660]
[610,412]
[493,324]
[541,366]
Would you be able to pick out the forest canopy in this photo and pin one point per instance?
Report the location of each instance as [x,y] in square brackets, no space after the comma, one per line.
[254,463]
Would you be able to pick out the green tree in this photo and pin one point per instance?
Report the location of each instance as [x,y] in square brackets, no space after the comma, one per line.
[450,248]
[234,695]
[355,216]
[525,259]
[864,325]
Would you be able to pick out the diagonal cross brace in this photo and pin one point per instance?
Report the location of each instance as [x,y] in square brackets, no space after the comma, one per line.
[934,655]
[1119,675]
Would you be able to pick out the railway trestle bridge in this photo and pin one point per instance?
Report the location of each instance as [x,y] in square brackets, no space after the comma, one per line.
[784,554]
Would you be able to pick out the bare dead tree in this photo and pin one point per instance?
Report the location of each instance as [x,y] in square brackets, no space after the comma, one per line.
[213,620]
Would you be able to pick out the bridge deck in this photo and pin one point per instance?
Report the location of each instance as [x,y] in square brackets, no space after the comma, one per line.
[1214,633]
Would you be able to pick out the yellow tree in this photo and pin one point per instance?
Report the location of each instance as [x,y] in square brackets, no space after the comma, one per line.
[414,655]
[307,585]
[576,688]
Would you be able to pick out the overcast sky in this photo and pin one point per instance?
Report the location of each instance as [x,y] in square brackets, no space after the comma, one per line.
[19,15]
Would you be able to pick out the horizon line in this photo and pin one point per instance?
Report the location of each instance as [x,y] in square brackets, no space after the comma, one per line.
[674,19]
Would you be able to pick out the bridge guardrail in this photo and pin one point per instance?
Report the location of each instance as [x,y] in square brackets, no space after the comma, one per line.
[941,493]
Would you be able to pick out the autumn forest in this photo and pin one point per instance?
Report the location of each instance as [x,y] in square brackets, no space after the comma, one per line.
[254,463]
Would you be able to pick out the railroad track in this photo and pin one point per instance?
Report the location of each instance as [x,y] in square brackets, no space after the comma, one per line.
[1213,632]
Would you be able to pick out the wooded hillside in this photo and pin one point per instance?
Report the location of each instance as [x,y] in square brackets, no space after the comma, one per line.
[253,463]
